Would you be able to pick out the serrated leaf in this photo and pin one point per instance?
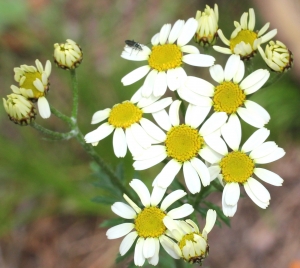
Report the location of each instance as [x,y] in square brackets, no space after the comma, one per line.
[112,222]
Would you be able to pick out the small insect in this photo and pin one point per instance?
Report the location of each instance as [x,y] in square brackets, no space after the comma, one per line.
[134,45]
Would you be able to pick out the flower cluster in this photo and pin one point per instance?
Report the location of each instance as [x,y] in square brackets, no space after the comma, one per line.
[206,145]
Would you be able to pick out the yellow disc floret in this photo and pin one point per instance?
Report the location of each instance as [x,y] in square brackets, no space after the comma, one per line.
[187,237]
[165,57]
[228,97]
[248,37]
[149,222]
[236,167]
[183,143]
[28,84]
[124,115]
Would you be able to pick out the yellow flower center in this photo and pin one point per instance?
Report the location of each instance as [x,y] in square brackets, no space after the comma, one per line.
[165,57]
[149,222]
[244,35]
[187,237]
[183,143]
[236,167]
[124,115]
[228,97]
[28,84]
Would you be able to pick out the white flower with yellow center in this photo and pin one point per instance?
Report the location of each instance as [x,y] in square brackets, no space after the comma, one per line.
[131,129]
[277,56]
[34,85]
[19,109]
[166,58]
[244,41]
[206,34]
[67,55]
[230,96]
[148,222]
[182,144]
[240,165]
[192,245]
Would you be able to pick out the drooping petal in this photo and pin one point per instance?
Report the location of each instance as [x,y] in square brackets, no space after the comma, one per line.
[191,178]
[228,210]
[149,247]
[119,142]
[139,258]
[232,193]
[202,171]
[44,108]
[211,217]
[232,132]
[155,258]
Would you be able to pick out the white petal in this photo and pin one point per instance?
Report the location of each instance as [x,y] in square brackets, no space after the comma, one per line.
[174,112]
[181,212]
[211,217]
[48,68]
[151,152]
[135,75]
[39,85]
[172,198]
[240,73]
[193,97]
[149,247]
[160,85]
[265,38]
[200,86]
[132,144]
[100,133]
[153,130]
[195,115]
[256,139]
[158,105]
[187,32]
[142,191]
[162,119]
[259,190]
[148,85]
[100,116]
[119,143]
[155,39]
[172,79]
[202,171]
[275,155]
[190,49]
[155,258]
[44,108]
[157,195]
[139,258]
[127,242]
[123,210]
[191,178]
[168,173]
[140,135]
[217,73]
[135,55]
[259,110]
[144,164]
[268,176]
[164,33]
[199,60]
[137,96]
[251,118]
[176,30]
[210,155]
[232,132]
[253,197]
[167,244]
[228,210]
[254,81]
[216,120]
[232,193]
[263,150]
[215,142]
[214,171]
[119,230]
[132,204]
[231,67]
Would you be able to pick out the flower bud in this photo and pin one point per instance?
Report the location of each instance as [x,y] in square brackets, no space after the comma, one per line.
[67,55]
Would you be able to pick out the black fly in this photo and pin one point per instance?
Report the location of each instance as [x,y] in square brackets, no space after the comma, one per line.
[134,45]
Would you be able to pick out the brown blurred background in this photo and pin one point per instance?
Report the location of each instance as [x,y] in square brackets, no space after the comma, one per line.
[47,218]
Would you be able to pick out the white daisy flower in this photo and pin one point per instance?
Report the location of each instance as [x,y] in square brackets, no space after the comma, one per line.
[131,129]
[206,34]
[19,109]
[230,96]
[192,245]
[240,165]
[67,55]
[148,222]
[182,144]
[166,58]
[244,41]
[277,56]
[34,85]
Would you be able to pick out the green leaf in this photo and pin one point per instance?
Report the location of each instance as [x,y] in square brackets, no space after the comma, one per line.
[104,200]
[111,222]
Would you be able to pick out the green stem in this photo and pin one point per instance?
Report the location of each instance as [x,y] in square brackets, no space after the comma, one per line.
[54,134]
[75,95]
[61,115]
